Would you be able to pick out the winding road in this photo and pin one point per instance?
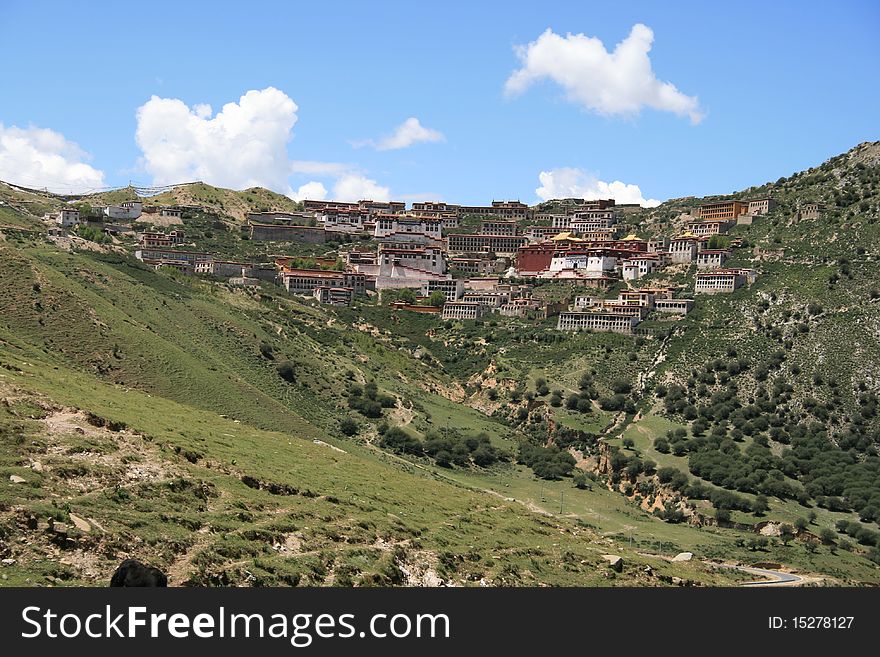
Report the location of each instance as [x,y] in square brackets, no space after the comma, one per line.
[776,578]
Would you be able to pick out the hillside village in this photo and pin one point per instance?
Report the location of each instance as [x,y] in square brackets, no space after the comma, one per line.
[464,262]
[697,378]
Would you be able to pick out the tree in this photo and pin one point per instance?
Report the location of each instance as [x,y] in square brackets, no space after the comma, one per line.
[827,536]
[760,506]
[722,516]
[801,524]
[287,371]
[437,299]
[786,533]
[348,427]
[406,295]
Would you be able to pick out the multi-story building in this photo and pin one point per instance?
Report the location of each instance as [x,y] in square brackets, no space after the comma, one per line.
[532,259]
[711,258]
[171,255]
[387,224]
[171,212]
[706,227]
[718,281]
[425,258]
[657,245]
[810,211]
[334,296]
[597,321]
[127,210]
[761,206]
[504,209]
[643,298]
[558,221]
[594,261]
[472,265]
[177,265]
[151,240]
[343,221]
[641,265]
[453,288]
[499,227]
[582,302]
[540,233]
[596,235]
[291,218]
[306,280]
[434,207]
[489,299]
[463,310]
[498,244]
[381,207]
[683,249]
[68,217]
[320,206]
[222,268]
[723,210]
[595,204]
[287,233]
[589,225]
[674,306]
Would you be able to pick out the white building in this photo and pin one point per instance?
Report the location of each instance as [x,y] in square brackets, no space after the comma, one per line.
[761,206]
[67,217]
[463,310]
[388,224]
[711,258]
[128,210]
[588,262]
[597,321]
[342,221]
[428,259]
[453,288]
[718,281]
[683,249]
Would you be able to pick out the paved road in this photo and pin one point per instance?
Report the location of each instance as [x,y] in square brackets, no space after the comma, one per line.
[776,578]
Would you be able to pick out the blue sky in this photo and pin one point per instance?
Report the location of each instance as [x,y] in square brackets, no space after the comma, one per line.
[781,87]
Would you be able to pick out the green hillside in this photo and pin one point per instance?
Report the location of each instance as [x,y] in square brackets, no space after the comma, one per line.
[239,436]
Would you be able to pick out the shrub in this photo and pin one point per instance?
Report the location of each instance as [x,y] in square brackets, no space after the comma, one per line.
[348,427]
[287,371]
[398,440]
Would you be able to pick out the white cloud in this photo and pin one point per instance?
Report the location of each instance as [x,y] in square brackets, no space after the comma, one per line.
[243,145]
[405,135]
[619,82]
[43,158]
[576,183]
[313,190]
[354,187]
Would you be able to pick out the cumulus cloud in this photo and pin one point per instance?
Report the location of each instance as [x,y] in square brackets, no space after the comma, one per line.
[405,135]
[355,187]
[575,183]
[43,158]
[313,190]
[620,82]
[243,145]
